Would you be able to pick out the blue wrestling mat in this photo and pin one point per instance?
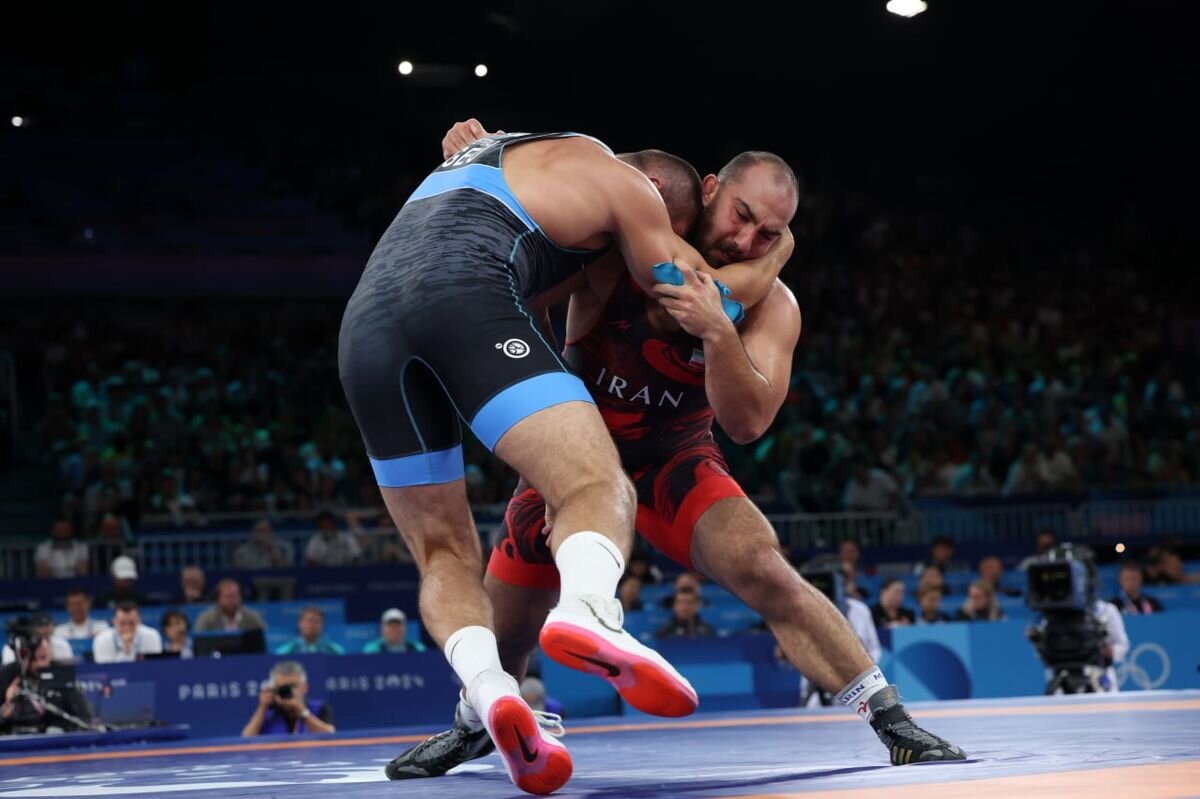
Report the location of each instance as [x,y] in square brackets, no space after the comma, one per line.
[1144,744]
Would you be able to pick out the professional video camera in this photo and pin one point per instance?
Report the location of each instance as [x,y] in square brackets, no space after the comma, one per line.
[1069,638]
[46,696]
[24,637]
[824,573]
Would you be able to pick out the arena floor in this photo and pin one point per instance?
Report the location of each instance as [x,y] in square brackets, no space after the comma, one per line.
[1144,745]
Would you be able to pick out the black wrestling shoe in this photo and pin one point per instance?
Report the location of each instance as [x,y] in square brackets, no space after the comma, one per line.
[906,742]
[439,753]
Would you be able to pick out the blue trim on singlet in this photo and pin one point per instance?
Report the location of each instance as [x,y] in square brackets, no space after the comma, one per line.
[524,399]
[423,468]
[482,178]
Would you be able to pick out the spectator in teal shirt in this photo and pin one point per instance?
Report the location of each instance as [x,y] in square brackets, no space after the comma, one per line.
[394,629]
[311,639]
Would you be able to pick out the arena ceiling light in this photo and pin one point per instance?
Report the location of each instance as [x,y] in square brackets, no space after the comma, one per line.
[906,8]
[405,68]
[481,70]
[18,121]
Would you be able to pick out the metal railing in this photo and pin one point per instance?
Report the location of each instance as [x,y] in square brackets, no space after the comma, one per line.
[992,523]
[824,530]
[17,558]
[166,551]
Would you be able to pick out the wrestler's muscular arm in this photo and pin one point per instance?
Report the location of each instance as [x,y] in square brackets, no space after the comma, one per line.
[746,377]
[746,372]
[749,282]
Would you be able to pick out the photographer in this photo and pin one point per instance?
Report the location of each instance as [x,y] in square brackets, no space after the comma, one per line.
[284,707]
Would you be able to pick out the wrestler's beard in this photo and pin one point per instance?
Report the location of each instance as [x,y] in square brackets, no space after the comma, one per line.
[705,241]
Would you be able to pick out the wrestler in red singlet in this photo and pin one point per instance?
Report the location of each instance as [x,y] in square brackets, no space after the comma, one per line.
[649,387]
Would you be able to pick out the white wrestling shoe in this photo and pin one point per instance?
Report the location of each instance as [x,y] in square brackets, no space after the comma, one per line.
[585,632]
[535,760]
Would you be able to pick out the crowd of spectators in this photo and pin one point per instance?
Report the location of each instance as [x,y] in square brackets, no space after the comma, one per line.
[114,624]
[926,598]
[942,358]
[928,367]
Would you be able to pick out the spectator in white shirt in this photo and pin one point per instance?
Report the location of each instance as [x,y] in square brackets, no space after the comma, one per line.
[1117,645]
[128,640]
[331,546]
[870,489]
[1058,470]
[81,624]
[859,617]
[60,648]
[263,551]
[1025,476]
[863,624]
[61,555]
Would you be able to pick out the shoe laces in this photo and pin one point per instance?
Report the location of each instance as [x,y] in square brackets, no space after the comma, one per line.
[908,730]
[440,745]
[608,606]
[552,723]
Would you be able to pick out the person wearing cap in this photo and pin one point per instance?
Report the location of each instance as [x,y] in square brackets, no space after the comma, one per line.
[124,575]
[393,627]
[60,648]
[128,639]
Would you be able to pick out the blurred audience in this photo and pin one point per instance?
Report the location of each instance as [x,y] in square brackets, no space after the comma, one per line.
[685,618]
[262,551]
[929,600]
[393,635]
[62,555]
[229,614]
[1130,600]
[311,638]
[980,604]
[330,546]
[128,639]
[80,623]
[533,691]
[124,575]
[629,590]
[890,610]
[191,586]
[174,626]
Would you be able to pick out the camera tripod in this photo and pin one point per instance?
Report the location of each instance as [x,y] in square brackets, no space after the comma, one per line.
[1076,678]
[40,701]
